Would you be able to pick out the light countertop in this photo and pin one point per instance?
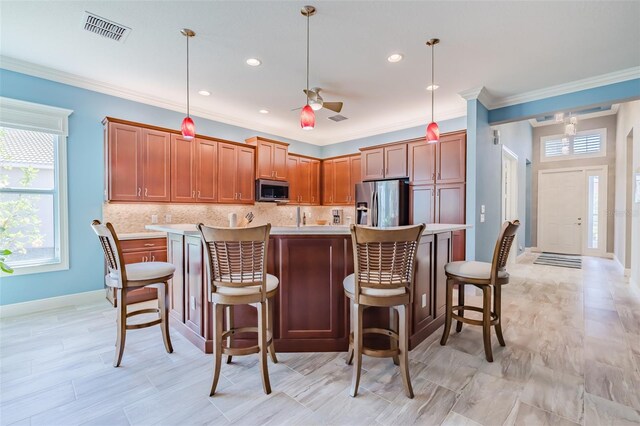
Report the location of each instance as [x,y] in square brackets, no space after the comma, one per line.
[190,229]
[141,235]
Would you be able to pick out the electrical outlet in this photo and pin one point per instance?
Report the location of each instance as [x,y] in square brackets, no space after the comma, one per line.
[192,303]
[308,215]
[167,218]
[154,218]
[482,218]
[424,300]
[482,209]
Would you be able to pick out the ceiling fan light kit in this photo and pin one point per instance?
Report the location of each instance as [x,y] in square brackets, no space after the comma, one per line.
[307,118]
[433,131]
[188,127]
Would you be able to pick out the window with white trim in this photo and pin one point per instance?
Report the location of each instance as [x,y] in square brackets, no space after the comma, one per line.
[585,144]
[33,186]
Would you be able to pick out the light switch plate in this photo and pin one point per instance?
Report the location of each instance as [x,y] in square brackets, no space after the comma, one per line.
[154,218]
[424,300]
[482,218]
[167,218]
[482,209]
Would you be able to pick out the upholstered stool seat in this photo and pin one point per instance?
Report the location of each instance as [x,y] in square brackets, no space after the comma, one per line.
[271,288]
[473,270]
[141,271]
[349,285]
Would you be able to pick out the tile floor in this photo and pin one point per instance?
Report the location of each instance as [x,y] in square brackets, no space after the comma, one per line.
[572,356]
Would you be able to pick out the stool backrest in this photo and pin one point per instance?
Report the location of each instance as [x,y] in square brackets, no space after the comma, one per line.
[111,248]
[236,257]
[385,258]
[503,246]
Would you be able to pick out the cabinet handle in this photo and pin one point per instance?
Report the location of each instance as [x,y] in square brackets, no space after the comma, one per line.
[144,258]
[434,176]
[198,194]
[149,244]
[139,189]
[313,198]
[439,176]
[145,192]
[239,195]
[193,194]
[275,173]
[153,258]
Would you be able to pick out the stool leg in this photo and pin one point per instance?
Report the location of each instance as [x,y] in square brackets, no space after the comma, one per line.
[229,311]
[486,321]
[163,306]
[357,347]
[394,326]
[403,326]
[272,346]
[447,320]
[497,306]
[460,303]
[350,351]
[217,345]
[262,343]
[121,320]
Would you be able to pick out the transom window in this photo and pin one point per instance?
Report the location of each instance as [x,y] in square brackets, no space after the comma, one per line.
[588,143]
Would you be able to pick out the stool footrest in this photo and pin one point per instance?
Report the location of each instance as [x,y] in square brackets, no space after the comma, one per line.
[143,311]
[465,320]
[246,350]
[144,324]
[378,353]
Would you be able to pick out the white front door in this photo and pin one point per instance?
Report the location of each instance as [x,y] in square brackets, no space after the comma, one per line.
[561,197]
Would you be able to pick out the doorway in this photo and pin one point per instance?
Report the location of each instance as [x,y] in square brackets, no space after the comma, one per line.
[510,194]
[572,210]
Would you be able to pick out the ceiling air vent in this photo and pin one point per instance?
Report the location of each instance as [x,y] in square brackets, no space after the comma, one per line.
[338,117]
[105,28]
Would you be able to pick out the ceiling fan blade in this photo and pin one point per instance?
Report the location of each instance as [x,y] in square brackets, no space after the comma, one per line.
[333,106]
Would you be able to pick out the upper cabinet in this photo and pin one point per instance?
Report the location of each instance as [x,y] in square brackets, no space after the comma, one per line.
[304,180]
[339,178]
[442,162]
[388,162]
[183,170]
[271,158]
[235,174]
[137,163]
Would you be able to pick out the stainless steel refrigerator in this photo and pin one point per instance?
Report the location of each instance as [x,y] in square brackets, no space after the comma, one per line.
[382,203]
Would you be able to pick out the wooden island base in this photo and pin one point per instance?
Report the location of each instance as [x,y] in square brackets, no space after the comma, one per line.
[311,313]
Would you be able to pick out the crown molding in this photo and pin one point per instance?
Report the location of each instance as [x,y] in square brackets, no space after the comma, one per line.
[479,93]
[612,111]
[563,89]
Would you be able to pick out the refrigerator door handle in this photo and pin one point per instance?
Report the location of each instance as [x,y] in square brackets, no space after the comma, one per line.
[374,206]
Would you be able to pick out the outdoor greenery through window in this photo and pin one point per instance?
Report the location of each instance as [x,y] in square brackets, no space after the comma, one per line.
[29,204]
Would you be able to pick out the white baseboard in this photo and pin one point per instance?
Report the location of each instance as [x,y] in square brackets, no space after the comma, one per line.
[625,271]
[34,306]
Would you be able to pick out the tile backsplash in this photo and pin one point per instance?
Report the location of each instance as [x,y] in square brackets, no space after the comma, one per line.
[132,217]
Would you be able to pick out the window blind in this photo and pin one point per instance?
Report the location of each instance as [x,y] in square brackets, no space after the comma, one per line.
[587,144]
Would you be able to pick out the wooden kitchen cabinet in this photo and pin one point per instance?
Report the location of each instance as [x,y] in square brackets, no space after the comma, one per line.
[206,170]
[388,162]
[271,158]
[340,176]
[442,256]
[236,183]
[136,251]
[304,180]
[156,165]
[422,204]
[295,180]
[451,158]
[423,311]
[183,169]
[422,162]
[450,203]
[315,183]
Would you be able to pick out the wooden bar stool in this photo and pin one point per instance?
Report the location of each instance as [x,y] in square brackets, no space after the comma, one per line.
[485,276]
[125,278]
[237,275]
[384,270]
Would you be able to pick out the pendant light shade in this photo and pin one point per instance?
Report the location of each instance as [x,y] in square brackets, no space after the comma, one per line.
[307,118]
[188,127]
[433,131]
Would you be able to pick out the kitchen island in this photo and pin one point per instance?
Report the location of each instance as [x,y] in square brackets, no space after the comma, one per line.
[311,312]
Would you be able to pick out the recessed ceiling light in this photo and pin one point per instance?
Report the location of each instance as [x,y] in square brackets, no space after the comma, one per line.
[254,62]
[432,87]
[204,92]
[396,57]
[264,111]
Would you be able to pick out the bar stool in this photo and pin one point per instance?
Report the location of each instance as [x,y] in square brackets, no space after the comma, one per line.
[237,275]
[125,278]
[485,276]
[384,262]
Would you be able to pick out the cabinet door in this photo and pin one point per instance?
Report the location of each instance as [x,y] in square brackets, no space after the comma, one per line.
[194,284]
[156,165]
[395,161]
[422,204]
[458,246]
[356,175]
[304,180]
[452,159]
[265,152]
[450,203]
[183,169]
[280,164]
[422,162]
[342,185]
[124,162]
[442,257]
[175,254]
[227,168]
[245,181]
[315,183]
[328,182]
[294,180]
[423,306]
[159,255]
[373,164]
[206,170]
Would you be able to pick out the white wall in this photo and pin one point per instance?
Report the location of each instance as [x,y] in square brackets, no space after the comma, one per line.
[628,121]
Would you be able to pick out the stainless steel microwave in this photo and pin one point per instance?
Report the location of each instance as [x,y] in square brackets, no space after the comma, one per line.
[272,190]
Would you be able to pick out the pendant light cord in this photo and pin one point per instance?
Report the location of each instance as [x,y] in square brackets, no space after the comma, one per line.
[432,78]
[187,75]
[307,59]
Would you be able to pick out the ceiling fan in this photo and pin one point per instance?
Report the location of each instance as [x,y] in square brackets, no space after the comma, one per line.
[316,102]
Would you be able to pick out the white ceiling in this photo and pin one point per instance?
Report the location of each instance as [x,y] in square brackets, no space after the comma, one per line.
[510,48]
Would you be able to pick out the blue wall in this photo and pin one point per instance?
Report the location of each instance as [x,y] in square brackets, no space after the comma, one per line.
[352,146]
[86,174]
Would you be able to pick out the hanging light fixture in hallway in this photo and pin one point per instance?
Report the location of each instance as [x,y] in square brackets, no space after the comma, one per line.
[433,131]
[188,127]
[307,116]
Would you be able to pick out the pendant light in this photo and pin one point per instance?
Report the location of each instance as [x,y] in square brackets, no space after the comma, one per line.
[433,131]
[188,127]
[307,116]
